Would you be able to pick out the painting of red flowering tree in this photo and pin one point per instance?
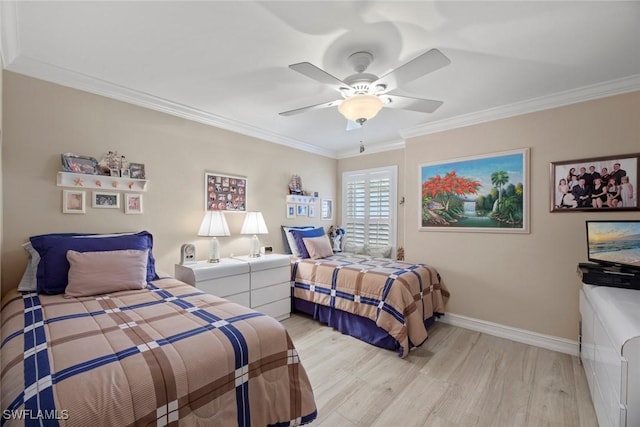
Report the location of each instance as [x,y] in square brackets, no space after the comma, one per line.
[481,193]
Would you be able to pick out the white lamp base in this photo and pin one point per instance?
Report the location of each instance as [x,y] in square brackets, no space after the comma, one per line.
[214,250]
[255,247]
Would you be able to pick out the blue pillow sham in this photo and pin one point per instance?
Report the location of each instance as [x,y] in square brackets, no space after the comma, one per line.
[53,268]
[298,235]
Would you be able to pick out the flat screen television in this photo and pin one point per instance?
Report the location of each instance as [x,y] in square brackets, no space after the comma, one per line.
[614,244]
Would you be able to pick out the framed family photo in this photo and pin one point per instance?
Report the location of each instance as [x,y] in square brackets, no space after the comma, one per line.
[595,184]
[484,193]
[225,192]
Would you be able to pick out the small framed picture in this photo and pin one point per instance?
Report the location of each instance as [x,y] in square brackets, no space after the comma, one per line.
[136,171]
[104,200]
[291,210]
[73,202]
[327,209]
[132,203]
[125,173]
[302,210]
[311,211]
[114,172]
[79,164]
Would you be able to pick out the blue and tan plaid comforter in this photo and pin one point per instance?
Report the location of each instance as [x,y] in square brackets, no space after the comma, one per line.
[167,355]
[398,296]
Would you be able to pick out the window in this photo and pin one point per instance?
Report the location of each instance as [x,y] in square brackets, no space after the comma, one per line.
[369,206]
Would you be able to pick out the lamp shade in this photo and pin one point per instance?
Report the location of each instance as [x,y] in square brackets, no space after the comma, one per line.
[214,224]
[254,224]
[360,107]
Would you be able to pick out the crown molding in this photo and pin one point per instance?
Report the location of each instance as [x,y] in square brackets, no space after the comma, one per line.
[9,32]
[585,93]
[372,149]
[64,77]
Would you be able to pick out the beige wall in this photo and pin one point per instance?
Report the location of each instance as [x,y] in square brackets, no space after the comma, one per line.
[43,120]
[525,281]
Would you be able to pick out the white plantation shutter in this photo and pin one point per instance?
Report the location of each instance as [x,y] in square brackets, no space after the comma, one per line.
[369,207]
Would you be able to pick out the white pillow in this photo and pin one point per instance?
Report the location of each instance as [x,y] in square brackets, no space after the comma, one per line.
[293,246]
[29,281]
[378,251]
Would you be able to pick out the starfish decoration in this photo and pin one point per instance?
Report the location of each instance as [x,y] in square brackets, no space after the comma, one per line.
[78,181]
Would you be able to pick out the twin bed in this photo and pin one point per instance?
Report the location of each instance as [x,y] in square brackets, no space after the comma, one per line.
[161,354]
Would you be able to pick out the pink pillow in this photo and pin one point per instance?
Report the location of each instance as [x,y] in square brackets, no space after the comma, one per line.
[103,272]
[318,247]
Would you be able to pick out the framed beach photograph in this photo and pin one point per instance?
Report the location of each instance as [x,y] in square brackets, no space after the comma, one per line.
[103,200]
[73,202]
[225,192]
[484,193]
[132,203]
[595,184]
[326,210]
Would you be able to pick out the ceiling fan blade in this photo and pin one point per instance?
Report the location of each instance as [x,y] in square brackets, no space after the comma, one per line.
[413,104]
[311,108]
[426,63]
[351,125]
[320,75]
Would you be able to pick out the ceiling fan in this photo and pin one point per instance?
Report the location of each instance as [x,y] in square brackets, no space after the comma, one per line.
[364,94]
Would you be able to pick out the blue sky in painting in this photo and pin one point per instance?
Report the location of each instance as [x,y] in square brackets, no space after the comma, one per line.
[479,169]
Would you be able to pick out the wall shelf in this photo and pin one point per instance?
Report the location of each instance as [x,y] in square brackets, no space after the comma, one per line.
[101,182]
[293,198]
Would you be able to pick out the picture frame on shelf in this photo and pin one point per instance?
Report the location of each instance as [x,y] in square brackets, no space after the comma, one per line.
[136,171]
[73,202]
[133,203]
[574,186]
[482,193]
[114,172]
[79,164]
[105,200]
[225,192]
[291,210]
[301,210]
[326,210]
[125,173]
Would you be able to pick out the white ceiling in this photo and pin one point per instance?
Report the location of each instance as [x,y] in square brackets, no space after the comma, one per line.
[225,63]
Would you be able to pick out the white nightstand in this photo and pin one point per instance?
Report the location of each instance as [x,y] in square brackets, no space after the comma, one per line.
[228,278]
[270,284]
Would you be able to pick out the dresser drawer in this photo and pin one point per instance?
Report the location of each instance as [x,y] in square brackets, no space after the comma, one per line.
[269,294]
[280,309]
[225,286]
[242,299]
[272,276]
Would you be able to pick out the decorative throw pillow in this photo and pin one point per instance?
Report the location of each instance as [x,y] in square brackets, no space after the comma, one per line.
[378,251]
[53,267]
[298,235]
[103,272]
[318,247]
[353,248]
[29,281]
[289,241]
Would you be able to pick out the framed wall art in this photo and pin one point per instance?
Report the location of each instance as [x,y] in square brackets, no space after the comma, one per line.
[595,184]
[79,164]
[302,210]
[225,192]
[132,203]
[103,200]
[484,193]
[291,210]
[73,202]
[136,170]
[327,210]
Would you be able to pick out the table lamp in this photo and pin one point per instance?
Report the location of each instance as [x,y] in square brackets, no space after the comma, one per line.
[254,224]
[214,224]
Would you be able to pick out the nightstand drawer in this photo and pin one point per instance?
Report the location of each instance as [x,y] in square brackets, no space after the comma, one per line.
[280,309]
[272,276]
[226,286]
[269,294]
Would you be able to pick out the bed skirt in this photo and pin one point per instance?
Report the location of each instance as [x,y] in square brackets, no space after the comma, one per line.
[350,324]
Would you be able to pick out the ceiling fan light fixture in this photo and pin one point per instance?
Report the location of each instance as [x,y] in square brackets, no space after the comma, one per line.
[361,106]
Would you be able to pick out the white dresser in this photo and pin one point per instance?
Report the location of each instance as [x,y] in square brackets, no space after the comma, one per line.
[261,283]
[610,352]
[270,284]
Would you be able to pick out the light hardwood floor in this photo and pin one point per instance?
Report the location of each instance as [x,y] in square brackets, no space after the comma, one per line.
[457,378]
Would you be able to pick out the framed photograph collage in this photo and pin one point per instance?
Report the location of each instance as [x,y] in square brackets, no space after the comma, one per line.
[225,192]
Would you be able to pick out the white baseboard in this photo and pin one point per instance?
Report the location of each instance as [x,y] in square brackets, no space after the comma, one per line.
[549,342]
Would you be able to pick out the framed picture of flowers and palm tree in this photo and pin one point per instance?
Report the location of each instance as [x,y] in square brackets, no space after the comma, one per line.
[483,193]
